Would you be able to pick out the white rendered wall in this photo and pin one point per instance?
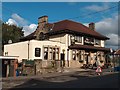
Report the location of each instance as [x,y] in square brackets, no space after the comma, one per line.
[59,38]
[17,49]
[102,43]
[21,49]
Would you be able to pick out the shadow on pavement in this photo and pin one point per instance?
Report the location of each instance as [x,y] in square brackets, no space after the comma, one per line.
[106,81]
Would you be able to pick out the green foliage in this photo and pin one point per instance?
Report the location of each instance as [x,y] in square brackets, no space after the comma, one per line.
[11,32]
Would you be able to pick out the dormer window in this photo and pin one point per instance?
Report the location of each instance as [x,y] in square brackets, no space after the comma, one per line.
[41,36]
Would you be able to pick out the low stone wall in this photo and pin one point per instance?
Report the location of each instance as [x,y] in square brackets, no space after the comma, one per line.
[28,70]
[47,66]
[75,64]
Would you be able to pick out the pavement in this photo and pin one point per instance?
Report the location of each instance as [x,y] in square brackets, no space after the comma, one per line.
[66,76]
[67,71]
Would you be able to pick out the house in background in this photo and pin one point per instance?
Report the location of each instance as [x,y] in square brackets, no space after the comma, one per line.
[117,52]
[66,40]
[116,58]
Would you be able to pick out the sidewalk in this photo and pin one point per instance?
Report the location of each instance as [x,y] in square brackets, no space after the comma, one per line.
[53,74]
[66,71]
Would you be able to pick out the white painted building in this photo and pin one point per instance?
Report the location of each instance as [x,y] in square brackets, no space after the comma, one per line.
[65,39]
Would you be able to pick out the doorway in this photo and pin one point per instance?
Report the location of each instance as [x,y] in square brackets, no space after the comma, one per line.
[62,56]
[5,68]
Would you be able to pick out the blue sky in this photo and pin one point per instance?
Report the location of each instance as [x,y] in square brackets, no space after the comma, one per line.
[25,14]
[56,10]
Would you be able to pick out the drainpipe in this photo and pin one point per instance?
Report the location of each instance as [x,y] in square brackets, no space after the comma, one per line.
[28,48]
[68,57]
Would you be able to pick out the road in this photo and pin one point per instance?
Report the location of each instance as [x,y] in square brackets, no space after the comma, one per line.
[68,80]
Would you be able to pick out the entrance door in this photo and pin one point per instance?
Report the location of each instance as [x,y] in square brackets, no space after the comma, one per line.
[4,68]
[62,59]
[87,59]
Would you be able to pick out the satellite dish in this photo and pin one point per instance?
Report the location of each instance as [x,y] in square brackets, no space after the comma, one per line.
[10,41]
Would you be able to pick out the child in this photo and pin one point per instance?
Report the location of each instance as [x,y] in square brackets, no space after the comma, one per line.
[98,70]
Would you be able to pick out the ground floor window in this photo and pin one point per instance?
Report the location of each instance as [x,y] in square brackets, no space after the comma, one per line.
[37,52]
[52,52]
[57,54]
[45,53]
[50,55]
[82,54]
[78,55]
[74,55]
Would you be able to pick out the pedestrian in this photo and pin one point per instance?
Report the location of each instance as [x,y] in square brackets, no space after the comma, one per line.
[98,70]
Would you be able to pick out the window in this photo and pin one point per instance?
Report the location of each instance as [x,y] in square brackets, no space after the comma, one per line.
[89,40]
[82,54]
[97,42]
[45,53]
[50,55]
[53,53]
[75,38]
[79,39]
[37,52]
[74,55]
[41,36]
[57,54]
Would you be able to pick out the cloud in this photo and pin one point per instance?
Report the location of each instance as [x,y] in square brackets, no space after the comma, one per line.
[29,29]
[21,21]
[108,25]
[97,7]
[12,22]
[109,28]
[113,39]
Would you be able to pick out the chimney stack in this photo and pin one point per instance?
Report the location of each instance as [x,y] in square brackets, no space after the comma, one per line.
[92,26]
[43,20]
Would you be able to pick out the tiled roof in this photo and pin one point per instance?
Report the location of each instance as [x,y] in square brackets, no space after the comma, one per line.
[117,51]
[88,47]
[66,26]
[77,27]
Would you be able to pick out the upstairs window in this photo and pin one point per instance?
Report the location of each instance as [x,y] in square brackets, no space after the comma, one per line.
[97,42]
[78,39]
[89,41]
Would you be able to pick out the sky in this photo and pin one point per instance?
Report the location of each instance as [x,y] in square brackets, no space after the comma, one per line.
[103,14]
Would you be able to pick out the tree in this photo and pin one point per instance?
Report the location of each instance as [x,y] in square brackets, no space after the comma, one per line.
[11,32]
